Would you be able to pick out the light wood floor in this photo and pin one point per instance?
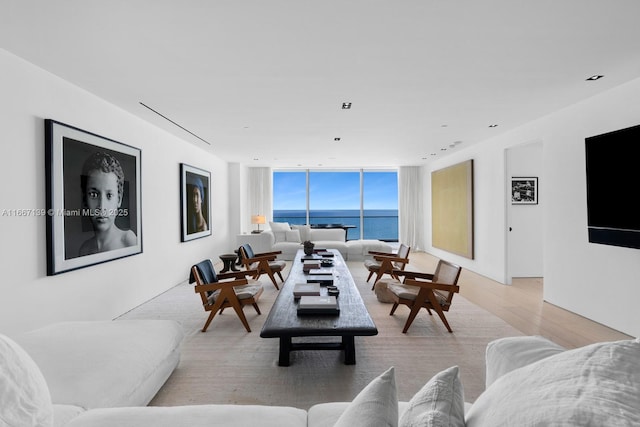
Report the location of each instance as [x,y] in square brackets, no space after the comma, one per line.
[520,304]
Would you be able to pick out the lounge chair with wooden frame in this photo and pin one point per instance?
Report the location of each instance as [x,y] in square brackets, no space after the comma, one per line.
[218,292]
[385,262]
[265,263]
[423,290]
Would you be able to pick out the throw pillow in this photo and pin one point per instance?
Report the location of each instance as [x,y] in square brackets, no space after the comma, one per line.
[506,354]
[375,405]
[595,385]
[305,231]
[440,402]
[293,236]
[279,230]
[24,394]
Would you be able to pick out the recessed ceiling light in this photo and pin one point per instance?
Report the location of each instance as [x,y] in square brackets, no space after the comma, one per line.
[336,139]
[493,126]
[595,77]
[346,105]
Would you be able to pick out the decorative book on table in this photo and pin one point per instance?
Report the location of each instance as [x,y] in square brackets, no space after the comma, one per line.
[312,257]
[321,270]
[325,254]
[305,289]
[323,279]
[325,304]
[309,265]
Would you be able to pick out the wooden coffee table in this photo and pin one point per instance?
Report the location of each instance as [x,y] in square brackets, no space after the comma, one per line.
[283,321]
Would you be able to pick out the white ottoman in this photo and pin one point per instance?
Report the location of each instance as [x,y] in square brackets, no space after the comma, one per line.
[358,250]
[382,292]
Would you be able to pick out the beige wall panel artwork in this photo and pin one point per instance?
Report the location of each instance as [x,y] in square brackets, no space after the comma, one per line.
[452,209]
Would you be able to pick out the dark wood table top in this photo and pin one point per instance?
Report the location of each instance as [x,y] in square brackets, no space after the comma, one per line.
[354,319]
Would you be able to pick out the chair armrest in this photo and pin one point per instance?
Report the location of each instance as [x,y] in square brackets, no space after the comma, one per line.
[391,258]
[412,274]
[260,258]
[211,287]
[433,285]
[237,274]
[262,254]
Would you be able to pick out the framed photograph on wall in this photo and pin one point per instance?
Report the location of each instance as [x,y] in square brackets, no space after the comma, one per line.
[94,209]
[524,190]
[195,201]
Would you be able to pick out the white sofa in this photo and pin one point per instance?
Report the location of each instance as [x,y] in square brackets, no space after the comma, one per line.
[94,364]
[288,239]
[530,382]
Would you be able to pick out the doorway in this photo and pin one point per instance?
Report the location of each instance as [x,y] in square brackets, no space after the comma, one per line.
[524,240]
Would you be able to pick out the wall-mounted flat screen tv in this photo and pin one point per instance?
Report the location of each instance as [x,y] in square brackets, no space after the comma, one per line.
[613,178]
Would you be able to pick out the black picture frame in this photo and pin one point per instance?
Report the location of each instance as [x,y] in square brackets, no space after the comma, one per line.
[524,190]
[93,215]
[195,220]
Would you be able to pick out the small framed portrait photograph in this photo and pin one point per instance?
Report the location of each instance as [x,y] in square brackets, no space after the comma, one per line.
[195,201]
[94,211]
[524,190]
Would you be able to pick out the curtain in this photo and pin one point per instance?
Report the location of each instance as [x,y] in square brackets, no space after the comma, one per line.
[260,200]
[411,217]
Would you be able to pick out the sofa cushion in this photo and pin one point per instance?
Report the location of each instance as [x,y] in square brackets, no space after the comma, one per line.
[305,231]
[24,395]
[440,402]
[375,405]
[596,385]
[293,236]
[279,230]
[327,234]
[101,364]
[326,414]
[506,354]
[62,414]
[194,416]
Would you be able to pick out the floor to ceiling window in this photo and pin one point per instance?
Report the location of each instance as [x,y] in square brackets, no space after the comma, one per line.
[367,201]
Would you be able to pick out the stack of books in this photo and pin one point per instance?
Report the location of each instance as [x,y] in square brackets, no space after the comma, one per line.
[318,305]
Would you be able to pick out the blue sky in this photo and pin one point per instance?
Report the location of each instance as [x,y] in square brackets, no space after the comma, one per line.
[334,190]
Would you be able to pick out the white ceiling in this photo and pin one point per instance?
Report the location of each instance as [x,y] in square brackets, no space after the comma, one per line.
[263,81]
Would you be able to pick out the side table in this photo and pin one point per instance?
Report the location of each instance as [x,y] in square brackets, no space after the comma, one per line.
[229,261]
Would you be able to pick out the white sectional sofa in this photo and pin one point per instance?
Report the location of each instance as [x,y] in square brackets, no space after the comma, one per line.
[288,239]
[530,382]
[98,364]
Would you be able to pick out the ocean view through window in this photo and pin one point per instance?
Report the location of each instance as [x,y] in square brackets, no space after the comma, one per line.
[367,201]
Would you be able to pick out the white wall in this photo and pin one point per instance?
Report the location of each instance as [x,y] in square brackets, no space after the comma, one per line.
[29,298]
[597,281]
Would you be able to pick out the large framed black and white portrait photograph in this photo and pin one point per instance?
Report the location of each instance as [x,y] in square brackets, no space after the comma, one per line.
[94,211]
[524,190]
[195,201]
